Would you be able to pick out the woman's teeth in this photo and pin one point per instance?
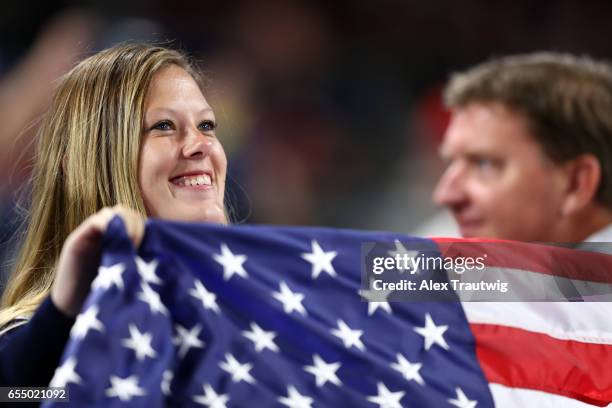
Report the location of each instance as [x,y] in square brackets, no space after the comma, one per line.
[203,180]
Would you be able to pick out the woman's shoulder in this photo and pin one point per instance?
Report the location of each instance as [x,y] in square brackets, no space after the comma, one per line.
[13,324]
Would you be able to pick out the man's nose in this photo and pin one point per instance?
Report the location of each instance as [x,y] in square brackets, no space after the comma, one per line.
[450,188]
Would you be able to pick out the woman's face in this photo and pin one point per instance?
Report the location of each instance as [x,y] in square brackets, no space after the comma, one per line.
[182,164]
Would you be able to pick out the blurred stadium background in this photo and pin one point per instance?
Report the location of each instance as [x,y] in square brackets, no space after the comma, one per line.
[329,111]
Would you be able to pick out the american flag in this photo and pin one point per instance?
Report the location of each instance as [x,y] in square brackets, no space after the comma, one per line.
[257,316]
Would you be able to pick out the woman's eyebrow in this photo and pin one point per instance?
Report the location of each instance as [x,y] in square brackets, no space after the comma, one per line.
[175,111]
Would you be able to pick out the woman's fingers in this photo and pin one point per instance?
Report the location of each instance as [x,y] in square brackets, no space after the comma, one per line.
[134,223]
[80,256]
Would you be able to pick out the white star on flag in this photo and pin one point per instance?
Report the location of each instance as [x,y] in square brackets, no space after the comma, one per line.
[321,261]
[386,398]
[210,398]
[151,297]
[348,336]
[409,370]
[261,339]
[207,298]
[146,270]
[187,339]
[239,372]
[291,300]
[232,264]
[294,399]
[140,343]
[373,306]
[167,377]
[108,276]
[124,388]
[401,250]
[376,299]
[323,371]
[85,322]
[65,374]
[433,334]
[462,400]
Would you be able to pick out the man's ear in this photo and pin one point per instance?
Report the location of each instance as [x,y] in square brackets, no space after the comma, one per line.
[583,176]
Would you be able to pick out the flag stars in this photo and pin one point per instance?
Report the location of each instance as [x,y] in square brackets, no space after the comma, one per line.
[295,400]
[261,339]
[187,339]
[403,253]
[140,343]
[320,260]
[239,372]
[432,334]
[409,370]
[376,299]
[291,300]
[207,298]
[386,398]
[232,264]
[86,322]
[323,371]
[151,297]
[146,270]
[108,276]
[211,399]
[349,336]
[167,377]
[65,374]
[373,306]
[124,388]
[462,400]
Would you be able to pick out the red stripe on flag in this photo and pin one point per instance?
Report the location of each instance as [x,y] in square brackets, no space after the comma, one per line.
[523,359]
[550,260]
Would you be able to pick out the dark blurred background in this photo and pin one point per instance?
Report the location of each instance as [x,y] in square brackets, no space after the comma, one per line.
[329,111]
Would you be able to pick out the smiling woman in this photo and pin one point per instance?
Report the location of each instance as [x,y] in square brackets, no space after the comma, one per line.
[183,176]
[129,133]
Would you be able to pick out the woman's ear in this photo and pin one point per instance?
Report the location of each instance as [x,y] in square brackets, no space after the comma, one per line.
[583,175]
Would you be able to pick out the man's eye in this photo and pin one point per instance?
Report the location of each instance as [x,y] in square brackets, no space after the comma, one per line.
[163,125]
[207,126]
[487,166]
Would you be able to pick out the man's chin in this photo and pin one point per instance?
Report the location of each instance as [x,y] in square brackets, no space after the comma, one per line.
[474,230]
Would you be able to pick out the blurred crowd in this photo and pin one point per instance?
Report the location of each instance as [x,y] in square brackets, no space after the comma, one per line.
[330,112]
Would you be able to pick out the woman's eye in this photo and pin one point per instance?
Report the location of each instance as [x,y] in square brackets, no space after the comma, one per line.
[484,164]
[163,125]
[207,126]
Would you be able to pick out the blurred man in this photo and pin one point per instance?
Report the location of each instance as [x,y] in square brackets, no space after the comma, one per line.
[529,149]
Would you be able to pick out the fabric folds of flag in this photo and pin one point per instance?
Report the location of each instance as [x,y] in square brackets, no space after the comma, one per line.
[262,316]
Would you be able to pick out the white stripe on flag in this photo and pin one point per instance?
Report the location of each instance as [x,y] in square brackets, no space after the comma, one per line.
[506,397]
[588,322]
[527,286]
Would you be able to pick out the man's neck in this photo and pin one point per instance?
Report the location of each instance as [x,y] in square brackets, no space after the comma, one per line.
[587,224]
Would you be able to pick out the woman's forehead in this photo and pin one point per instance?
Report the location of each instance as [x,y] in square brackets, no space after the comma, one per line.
[172,86]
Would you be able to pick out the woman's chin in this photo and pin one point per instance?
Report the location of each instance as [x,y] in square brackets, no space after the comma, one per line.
[212,214]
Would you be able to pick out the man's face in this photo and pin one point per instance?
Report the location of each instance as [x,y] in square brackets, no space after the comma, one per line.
[499,183]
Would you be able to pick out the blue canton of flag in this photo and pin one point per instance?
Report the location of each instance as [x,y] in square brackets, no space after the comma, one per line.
[248,316]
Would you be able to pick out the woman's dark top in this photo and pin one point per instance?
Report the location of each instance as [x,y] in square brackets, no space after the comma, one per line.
[30,352]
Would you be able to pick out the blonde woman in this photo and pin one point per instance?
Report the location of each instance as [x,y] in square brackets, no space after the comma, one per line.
[129,133]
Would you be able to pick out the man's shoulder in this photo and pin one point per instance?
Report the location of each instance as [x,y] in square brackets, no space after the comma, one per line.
[602,235]
[599,241]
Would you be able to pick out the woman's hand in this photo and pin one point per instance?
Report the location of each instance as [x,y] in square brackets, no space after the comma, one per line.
[80,257]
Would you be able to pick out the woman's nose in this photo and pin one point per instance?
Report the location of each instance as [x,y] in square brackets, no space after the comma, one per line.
[196,145]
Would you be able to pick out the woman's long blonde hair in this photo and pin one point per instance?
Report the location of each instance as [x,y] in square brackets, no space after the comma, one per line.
[87,159]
